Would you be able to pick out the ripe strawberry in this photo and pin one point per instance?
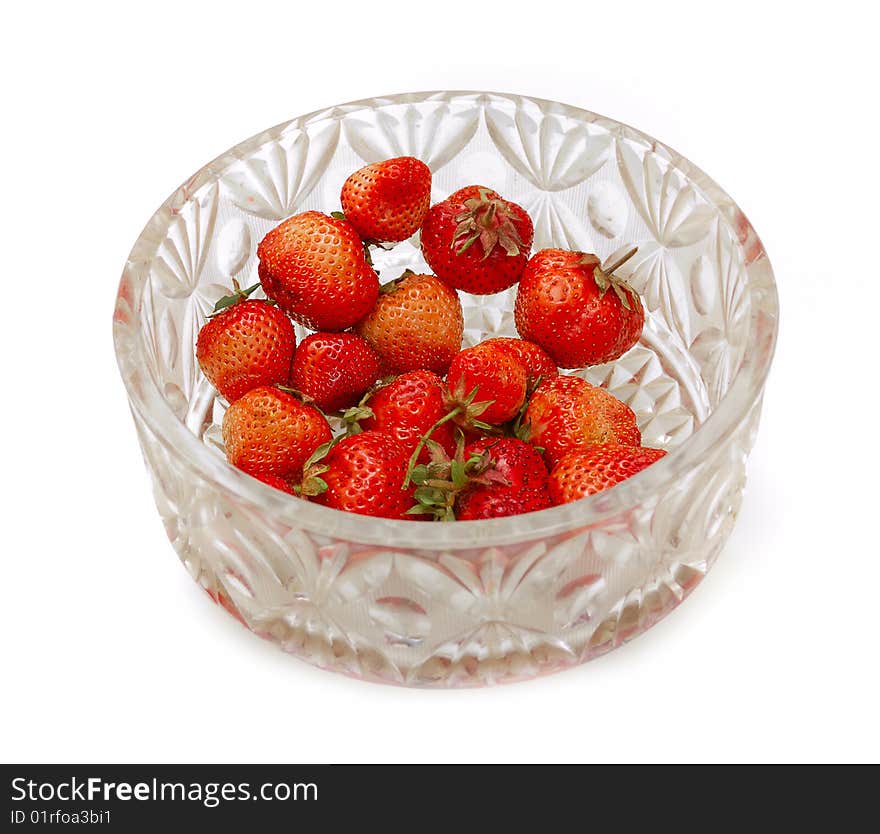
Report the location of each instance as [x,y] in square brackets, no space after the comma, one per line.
[532,357]
[499,380]
[334,369]
[417,323]
[387,201]
[364,474]
[314,266]
[566,412]
[563,304]
[270,432]
[477,241]
[245,344]
[406,408]
[591,469]
[524,486]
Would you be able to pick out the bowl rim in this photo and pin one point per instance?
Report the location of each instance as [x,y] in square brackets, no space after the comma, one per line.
[744,390]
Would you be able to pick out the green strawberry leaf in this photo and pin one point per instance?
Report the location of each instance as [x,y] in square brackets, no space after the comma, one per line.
[352,416]
[419,474]
[389,287]
[320,453]
[237,295]
[430,496]
[459,475]
[314,486]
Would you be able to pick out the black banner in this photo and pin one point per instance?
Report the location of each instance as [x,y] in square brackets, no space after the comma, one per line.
[136,797]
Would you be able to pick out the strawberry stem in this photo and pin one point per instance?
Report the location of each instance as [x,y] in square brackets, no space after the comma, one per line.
[620,261]
[423,440]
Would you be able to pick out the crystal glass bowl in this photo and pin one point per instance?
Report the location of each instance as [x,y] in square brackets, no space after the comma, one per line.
[474,602]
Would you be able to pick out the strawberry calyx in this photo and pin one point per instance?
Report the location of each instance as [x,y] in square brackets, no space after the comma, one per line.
[464,410]
[305,399]
[517,428]
[312,483]
[488,220]
[392,285]
[237,294]
[351,417]
[440,481]
[606,279]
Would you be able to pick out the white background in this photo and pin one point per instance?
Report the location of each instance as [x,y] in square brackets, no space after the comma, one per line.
[110,652]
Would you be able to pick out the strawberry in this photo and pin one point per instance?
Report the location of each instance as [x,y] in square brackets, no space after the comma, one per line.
[406,409]
[489,478]
[591,469]
[524,486]
[244,345]
[417,323]
[498,379]
[362,473]
[334,369]
[270,432]
[477,241]
[387,201]
[563,304]
[315,267]
[538,365]
[566,412]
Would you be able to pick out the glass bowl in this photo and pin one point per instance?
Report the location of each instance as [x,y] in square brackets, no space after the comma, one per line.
[475,602]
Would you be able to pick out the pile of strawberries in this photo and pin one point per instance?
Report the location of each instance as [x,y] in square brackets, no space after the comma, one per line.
[420,427]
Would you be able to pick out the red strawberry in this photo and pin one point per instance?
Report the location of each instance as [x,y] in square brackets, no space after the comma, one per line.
[566,412]
[477,241]
[406,408]
[246,344]
[591,469]
[417,323]
[334,369]
[387,201]
[524,489]
[270,432]
[532,357]
[563,304]
[314,266]
[364,474]
[498,378]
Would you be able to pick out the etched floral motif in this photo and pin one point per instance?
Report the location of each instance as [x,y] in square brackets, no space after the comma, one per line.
[556,225]
[433,131]
[553,152]
[674,212]
[718,293]
[181,256]
[273,182]
[499,597]
[654,273]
